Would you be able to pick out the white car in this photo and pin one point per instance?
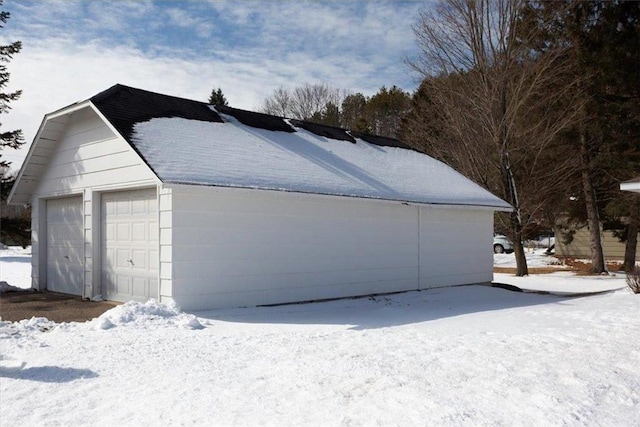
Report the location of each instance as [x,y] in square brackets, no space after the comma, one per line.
[502,244]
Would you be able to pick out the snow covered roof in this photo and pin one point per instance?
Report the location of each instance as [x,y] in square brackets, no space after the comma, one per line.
[190,142]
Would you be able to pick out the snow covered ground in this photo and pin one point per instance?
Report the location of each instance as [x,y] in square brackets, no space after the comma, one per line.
[15,266]
[469,355]
[535,258]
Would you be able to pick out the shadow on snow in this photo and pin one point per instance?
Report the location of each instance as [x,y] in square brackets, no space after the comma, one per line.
[48,374]
[380,311]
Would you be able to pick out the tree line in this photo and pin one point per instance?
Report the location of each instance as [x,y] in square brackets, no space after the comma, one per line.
[537,101]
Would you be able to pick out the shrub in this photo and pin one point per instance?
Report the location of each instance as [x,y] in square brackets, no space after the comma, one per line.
[633,280]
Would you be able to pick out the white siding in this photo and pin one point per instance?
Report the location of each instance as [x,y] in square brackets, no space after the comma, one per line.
[90,155]
[86,158]
[243,248]
[166,250]
[455,246]
[38,229]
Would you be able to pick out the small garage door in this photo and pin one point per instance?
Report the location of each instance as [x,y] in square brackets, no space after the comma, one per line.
[65,244]
[129,245]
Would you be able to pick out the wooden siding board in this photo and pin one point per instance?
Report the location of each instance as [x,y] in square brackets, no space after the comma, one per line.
[276,248]
[455,247]
[268,251]
[252,298]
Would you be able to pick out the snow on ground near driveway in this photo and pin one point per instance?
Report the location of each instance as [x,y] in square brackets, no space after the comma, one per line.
[15,266]
[469,355]
[535,258]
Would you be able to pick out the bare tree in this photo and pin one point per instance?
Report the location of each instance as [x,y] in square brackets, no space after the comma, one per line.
[278,103]
[494,97]
[303,102]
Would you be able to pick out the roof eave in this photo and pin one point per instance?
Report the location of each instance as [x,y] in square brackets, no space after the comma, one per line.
[475,206]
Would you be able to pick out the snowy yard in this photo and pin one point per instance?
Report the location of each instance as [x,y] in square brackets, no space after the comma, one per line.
[470,355]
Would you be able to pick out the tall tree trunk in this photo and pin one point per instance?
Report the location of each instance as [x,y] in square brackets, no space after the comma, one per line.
[593,218]
[509,184]
[511,190]
[632,239]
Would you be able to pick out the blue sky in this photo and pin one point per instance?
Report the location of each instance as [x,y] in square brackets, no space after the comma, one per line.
[73,49]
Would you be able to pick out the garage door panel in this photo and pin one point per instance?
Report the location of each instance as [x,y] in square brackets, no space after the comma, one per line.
[122,259]
[123,232]
[139,206]
[130,245]
[122,207]
[154,232]
[140,285]
[154,260]
[65,245]
[139,259]
[123,285]
[139,231]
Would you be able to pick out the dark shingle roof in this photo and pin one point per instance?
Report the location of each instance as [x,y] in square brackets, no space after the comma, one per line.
[257,120]
[323,130]
[125,106]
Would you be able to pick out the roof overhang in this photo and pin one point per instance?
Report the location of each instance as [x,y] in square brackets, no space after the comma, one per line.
[251,191]
[49,132]
[633,185]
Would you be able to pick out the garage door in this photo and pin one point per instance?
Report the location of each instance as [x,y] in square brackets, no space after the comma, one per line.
[65,245]
[129,245]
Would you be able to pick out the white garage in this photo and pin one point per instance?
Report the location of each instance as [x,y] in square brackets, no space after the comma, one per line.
[138,195]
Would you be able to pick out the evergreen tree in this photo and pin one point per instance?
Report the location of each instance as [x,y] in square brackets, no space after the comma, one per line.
[604,42]
[386,109]
[331,115]
[217,98]
[14,229]
[354,113]
[11,139]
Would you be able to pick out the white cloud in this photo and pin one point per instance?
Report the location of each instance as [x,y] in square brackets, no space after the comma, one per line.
[251,49]
[184,19]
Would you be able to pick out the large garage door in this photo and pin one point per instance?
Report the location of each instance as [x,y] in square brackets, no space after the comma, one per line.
[65,244]
[129,245]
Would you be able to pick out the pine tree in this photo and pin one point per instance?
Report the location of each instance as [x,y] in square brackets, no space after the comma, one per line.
[604,41]
[386,109]
[12,229]
[11,139]
[354,113]
[217,98]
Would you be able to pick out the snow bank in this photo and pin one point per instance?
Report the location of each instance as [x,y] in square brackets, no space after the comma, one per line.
[137,313]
